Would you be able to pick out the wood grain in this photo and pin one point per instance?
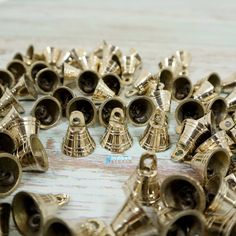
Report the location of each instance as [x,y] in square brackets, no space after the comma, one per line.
[156,28]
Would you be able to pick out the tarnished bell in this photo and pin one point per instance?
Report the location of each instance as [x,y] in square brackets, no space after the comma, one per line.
[5,212]
[77,141]
[17,68]
[10,174]
[231,101]
[7,79]
[155,137]
[32,155]
[182,192]
[47,110]
[7,101]
[30,210]
[132,220]
[25,89]
[143,183]
[163,99]
[36,67]
[210,163]
[69,74]
[117,138]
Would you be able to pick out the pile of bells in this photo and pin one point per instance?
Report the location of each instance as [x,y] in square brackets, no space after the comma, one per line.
[113,88]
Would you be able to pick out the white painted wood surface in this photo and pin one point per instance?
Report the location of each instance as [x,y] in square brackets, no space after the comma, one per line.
[156,28]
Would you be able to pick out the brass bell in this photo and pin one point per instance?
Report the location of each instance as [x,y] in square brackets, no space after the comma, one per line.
[86,106]
[5,212]
[182,192]
[77,142]
[108,66]
[65,57]
[17,68]
[229,83]
[36,67]
[231,101]
[7,142]
[63,94]
[10,174]
[117,138]
[106,108]
[163,99]
[189,108]
[32,155]
[7,78]
[81,57]
[30,210]
[52,55]
[140,110]
[210,163]
[169,63]
[47,80]
[7,101]
[209,121]
[70,74]
[31,125]
[143,183]
[133,220]
[25,89]
[113,82]
[155,137]
[182,88]
[47,110]
[183,58]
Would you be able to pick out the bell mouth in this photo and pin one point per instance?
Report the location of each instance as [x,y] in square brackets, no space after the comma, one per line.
[215,80]
[182,88]
[113,82]
[7,79]
[166,78]
[17,68]
[219,109]
[36,67]
[7,143]
[57,227]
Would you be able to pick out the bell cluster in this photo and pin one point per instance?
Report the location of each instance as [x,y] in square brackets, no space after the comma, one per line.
[107,86]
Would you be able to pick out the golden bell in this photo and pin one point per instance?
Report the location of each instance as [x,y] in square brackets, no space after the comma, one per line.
[5,212]
[52,55]
[169,63]
[163,99]
[17,68]
[111,52]
[132,220]
[86,106]
[106,108]
[63,94]
[87,81]
[102,93]
[155,137]
[210,163]
[113,81]
[231,101]
[47,111]
[189,108]
[32,155]
[184,222]
[10,174]
[70,74]
[183,57]
[182,192]
[7,101]
[25,89]
[47,80]
[143,183]
[140,110]
[77,142]
[7,78]
[7,142]
[117,138]
[81,57]
[31,125]
[229,83]
[194,133]
[209,121]
[65,57]
[30,210]
[36,67]
[182,88]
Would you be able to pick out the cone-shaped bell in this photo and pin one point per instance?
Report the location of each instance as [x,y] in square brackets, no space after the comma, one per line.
[189,108]
[132,220]
[36,67]
[106,108]
[163,99]
[70,73]
[47,110]
[17,68]
[116,137]
[30,210]
[5,212]
[52,55]
[47,80]
[140,110]
[183,57]
[63,94]
[109,66]
[6,102]
[209,121]
[113,82]
[25,89]
[229,83]
[32,155]
[210,163]
[8,143]
[31,125]
[102,93]
[77,142]
[86,106]
[65,57]
[231,101]
[155,137]
[81,57]
[143,183]
[10,174]
[7,79]
[182,192]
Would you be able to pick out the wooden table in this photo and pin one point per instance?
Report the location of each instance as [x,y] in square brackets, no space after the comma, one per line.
[156,28]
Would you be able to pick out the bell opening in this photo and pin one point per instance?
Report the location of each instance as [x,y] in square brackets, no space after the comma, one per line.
[38,66]
[5,79]
[113,82]
[214,79]
[181,88]
[17,68]
[58,229]
[166,78]
[219,109]
[7,144]
[47,80]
